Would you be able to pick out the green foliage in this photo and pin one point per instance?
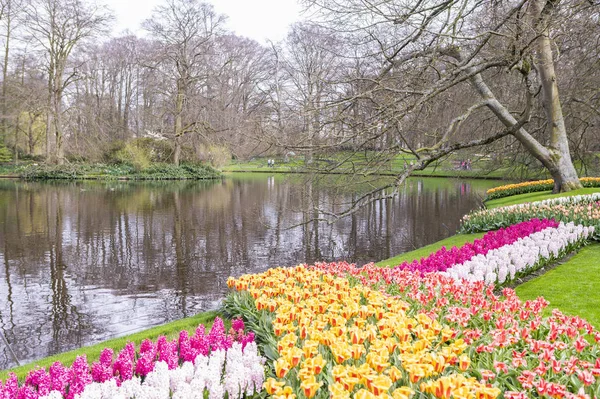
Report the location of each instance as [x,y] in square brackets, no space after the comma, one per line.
[139,153]
[156,150]
[5,154]
[133,155]
[217,155]
[159,171]
[241,304]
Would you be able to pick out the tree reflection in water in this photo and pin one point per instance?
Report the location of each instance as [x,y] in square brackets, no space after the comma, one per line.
[83,262]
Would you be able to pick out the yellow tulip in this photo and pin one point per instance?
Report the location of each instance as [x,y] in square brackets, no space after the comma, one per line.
[381,384]
[310,386]
[281,367]
[349,383]
[487,393]
[286,393]
[271,385]
[464,362]
[364,394]
[394,373]
[438,362]
[293,356]
[338,391]
[402,393]
[357,351]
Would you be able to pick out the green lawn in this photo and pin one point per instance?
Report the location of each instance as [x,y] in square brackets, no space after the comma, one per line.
[372,161]
[539,196]
[170,330]
[573,287]
[456,240]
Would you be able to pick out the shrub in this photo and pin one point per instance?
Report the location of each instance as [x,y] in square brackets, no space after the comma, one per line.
[134,155]
[5,154]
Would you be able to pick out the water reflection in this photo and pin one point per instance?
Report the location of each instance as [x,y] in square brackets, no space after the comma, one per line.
[82,262]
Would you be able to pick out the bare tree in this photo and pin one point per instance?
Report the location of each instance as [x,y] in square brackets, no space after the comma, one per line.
[451,53]
[185,31]
[58,26]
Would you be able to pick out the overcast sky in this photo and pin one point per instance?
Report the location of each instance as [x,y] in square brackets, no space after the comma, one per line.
[257,19]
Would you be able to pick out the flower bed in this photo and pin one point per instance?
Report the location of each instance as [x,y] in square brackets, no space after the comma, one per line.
[330,339]
[340,331]
[581,209]
[443,259]
[533,186]
[190,362]
[519,188]
[523,256]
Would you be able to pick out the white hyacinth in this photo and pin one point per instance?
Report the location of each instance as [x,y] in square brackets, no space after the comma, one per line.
[502,264]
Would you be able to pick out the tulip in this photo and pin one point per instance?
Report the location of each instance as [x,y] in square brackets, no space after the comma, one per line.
[310,386]
[464,362]
[402,393]
[338,391]
[286,393]
[273,386]
[281,367]
[380,384]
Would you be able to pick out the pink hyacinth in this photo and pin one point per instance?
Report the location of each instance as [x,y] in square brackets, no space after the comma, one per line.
[81,376]
[167,352]
[103,371]
[217,337]
[60,376]
[148,346]
[238,325]
[200,341]
[10,389]
[124,365]
[27,392]
[186,352]
[39,379]
[145,364]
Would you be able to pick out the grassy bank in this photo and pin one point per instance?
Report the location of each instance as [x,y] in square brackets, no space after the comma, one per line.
[86,171]
[344,163]
[170,330]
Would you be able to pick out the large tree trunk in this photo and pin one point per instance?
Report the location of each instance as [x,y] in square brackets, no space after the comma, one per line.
[563,172]
[555,158]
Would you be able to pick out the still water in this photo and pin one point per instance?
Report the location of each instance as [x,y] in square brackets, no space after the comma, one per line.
[81,262]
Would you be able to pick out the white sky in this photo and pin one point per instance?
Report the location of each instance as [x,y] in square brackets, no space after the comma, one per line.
[257,19]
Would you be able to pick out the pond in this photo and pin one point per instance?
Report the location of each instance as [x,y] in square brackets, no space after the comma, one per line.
[81,262]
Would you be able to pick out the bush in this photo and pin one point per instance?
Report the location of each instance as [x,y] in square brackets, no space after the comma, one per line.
[5,154]
[159,171]
[134,155]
